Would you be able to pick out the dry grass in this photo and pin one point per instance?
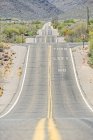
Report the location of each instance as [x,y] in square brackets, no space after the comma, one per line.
[73,50]
[6,62]
[5,45]
[19,71]
[1,90]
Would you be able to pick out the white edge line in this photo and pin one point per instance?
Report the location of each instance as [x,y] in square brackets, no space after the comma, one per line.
[20,88]
[78,82]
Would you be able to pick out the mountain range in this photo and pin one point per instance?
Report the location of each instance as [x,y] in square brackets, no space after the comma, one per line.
[44,9]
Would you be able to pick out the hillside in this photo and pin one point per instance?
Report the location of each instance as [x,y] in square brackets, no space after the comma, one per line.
[29,9]
[45,9]
[65,5]
[73,8]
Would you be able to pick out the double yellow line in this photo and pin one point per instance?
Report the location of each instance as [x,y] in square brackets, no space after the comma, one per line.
[52,129]
[53,133]
[50,113]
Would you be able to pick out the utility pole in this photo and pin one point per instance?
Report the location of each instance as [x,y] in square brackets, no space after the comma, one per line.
[88,18]
[0,31]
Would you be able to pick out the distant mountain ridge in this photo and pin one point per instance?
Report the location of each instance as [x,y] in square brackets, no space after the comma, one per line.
[67,4]
[44,9]
[28,9]
[73,8]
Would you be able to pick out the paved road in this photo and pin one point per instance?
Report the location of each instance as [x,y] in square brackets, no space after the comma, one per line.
[50,106]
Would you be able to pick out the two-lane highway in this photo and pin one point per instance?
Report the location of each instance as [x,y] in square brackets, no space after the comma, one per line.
[50,106]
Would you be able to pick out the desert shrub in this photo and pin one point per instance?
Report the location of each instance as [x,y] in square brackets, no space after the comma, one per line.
[4,45]
[1,45]
[90,54]
[19,39]
[12,32]
[9,31]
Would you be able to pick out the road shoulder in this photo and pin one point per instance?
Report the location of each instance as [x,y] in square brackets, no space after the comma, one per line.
[12,81]
[84,72]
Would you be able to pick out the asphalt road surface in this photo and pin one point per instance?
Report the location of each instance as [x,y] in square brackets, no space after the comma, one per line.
[50,106]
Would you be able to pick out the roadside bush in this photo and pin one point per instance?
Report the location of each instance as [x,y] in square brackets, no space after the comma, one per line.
[90,54]
[91,45]
[69,21]
[19,39]
[1,45]
[4,45]
[12,32]
[72,30]
[79,30]
[91,21]
[9,31]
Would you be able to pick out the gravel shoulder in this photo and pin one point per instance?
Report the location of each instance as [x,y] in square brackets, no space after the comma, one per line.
[12,79]
[84,71]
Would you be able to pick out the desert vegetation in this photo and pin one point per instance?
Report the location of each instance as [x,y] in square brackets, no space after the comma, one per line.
[13,32]
[76,31]
[90,54]
[17,32]
[6,62]
[71,29]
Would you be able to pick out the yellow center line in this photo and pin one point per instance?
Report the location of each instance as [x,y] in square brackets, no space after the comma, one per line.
[53,131]
[40,130]
[49,85]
